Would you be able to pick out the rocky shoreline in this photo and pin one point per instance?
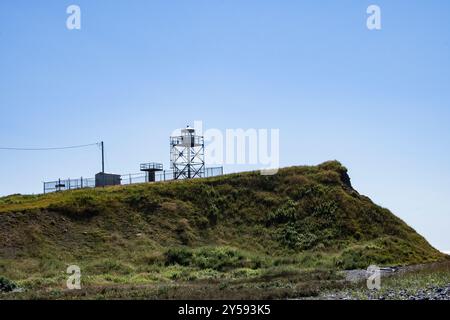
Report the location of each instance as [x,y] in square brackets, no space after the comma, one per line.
[398,283]
[430,293]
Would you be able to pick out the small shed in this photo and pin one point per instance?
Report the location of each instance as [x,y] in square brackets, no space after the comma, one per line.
[106,179]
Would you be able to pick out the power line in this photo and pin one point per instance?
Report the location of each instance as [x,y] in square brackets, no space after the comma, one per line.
[52,148]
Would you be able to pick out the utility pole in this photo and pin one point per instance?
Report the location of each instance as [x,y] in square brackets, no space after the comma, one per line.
[103,156]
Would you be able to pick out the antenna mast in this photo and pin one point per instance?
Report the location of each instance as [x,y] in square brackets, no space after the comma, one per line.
[103,156]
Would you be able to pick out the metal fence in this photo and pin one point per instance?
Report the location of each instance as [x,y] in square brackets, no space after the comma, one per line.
[166,175]
[68,184]
[126,179]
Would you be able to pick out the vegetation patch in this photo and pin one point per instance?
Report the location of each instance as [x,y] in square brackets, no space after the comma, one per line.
[238,235]
[213,258]
[6,285]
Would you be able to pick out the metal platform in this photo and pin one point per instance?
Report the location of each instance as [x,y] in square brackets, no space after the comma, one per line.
[150,169]
[152,166]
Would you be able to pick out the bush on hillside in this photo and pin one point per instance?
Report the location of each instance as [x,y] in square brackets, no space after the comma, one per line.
[214,258]
[218,258]
[291,237]
[179,256]
[285,213]
[6,285]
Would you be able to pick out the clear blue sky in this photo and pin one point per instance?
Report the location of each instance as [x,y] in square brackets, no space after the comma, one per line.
[378,101]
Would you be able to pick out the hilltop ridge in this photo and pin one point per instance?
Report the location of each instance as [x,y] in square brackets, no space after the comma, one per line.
[304,218]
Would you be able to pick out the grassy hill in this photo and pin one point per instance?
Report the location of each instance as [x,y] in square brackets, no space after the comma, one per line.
[238,235]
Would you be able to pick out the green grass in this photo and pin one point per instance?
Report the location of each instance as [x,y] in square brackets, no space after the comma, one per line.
[238,227]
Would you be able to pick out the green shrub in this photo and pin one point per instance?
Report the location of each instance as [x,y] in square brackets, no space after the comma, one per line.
[329,177]
[218,258]
[304,191]
[286,213]
[6,285]
[325,208]
[290,236]
[213,213]
[179,256]
[361,257]
[214,258]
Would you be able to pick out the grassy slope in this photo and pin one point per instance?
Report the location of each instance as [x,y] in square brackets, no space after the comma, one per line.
[239,226]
